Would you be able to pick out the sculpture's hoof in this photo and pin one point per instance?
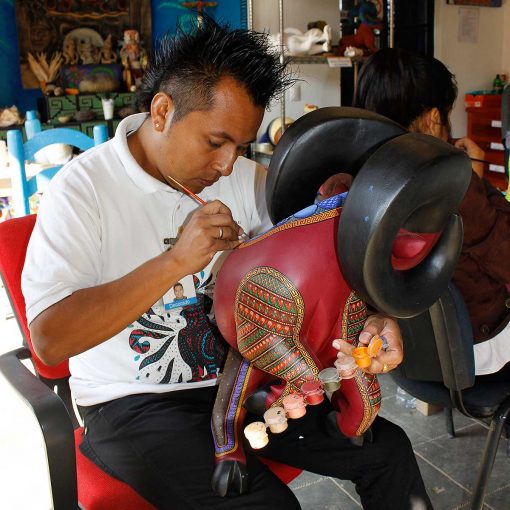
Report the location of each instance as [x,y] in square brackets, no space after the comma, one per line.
[230,477]
[367,437]
[333,431]
[332,426]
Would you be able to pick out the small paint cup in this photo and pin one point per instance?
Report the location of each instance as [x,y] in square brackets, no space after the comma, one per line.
[313,392]
[276,420]
[330,379]
[348,369]
[256,434]
[361,357]
[294,405]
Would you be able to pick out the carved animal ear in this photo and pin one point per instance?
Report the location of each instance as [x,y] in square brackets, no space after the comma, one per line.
[413,182]
[320,144]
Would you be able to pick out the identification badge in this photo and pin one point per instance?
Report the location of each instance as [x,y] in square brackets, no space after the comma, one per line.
[181,294]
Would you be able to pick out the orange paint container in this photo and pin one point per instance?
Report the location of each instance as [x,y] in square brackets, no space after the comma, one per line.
[361,357]
[375,346]
[294,405]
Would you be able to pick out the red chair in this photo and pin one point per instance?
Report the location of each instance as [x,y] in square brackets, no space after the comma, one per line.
[76,482]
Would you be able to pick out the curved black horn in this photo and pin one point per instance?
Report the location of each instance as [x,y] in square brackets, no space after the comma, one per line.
[415,182]
[318,145]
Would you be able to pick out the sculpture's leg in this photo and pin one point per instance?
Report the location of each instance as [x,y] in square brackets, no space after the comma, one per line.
[238,381]
[358,400]
[269,312]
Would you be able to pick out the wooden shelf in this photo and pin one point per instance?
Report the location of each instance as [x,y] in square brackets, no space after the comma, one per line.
[481,131]
[307,59]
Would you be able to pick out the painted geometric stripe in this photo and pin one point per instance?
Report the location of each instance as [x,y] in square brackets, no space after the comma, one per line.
[233,410]
[270,344]
[354,317]
[293,224]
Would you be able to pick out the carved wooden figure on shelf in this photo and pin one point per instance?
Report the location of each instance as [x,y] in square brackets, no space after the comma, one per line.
[107,55]
[133,58]
[70,53]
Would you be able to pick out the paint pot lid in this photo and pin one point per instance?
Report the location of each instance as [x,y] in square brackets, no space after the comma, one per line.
[311,387]
[349,363]
[294,401]
[255,428]
[275,415]
[329,375]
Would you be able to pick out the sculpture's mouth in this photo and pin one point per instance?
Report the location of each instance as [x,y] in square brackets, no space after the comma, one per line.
[410,248]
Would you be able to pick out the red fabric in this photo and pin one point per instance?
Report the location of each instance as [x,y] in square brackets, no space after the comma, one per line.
[14,237]
[285,473]
[99,491]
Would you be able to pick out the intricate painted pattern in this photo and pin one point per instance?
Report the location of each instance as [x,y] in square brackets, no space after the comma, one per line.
[287,224]
[179,345]
[269,311]
[232,414]
[354,316]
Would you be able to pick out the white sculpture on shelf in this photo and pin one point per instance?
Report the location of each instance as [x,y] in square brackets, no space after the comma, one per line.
[297,43]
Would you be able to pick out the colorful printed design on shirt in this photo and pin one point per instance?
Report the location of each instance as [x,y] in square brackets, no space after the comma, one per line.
[179,345]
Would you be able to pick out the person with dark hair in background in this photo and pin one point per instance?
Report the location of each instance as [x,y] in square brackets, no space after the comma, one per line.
[418,92]
[99,268]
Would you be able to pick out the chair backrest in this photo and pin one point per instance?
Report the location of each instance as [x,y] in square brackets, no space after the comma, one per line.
[14,237]
[19,152]
[438,344]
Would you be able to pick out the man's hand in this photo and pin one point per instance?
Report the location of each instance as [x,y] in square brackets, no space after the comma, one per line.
[387,359]
[211,229]
[92,315]
[338,183]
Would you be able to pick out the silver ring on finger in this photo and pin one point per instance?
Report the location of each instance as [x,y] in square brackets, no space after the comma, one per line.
[221,233]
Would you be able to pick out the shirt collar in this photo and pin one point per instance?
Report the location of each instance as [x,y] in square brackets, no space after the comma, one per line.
[135,172]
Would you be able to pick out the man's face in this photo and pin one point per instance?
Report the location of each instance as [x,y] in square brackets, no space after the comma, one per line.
[179,292]
[203,146]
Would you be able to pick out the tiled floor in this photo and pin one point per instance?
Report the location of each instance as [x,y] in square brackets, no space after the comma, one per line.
[448,465]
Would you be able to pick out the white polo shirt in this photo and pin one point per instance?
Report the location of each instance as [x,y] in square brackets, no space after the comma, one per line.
[103,216]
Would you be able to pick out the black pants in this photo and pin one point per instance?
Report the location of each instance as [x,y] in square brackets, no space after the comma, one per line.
[161,445]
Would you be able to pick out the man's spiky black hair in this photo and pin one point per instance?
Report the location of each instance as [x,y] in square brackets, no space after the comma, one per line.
[187,66]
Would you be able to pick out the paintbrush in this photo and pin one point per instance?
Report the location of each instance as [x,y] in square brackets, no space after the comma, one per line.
[482,161]
[188,191]
[198,199]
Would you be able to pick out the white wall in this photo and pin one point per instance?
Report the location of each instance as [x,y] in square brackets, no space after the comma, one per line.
[321,84]
[474,65]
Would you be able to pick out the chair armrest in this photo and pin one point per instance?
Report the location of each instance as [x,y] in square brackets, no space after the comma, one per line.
[55,423]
